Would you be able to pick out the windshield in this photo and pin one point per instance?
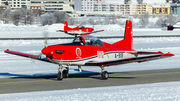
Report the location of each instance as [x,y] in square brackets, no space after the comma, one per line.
[80,27]
[92,41]
[78,40]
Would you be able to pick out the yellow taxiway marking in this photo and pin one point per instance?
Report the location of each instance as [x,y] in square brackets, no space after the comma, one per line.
[25,81]
[88,78]
[149,74]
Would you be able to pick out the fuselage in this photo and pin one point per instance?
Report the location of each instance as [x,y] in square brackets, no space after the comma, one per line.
[84,29]
[76,53]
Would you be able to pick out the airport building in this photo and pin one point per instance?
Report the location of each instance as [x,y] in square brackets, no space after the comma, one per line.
[135,9]
[45,5]
[161,9]
[175,8]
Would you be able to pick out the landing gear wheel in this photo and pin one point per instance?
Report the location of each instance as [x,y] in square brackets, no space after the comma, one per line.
[104,75]
[65,74]
[60,76]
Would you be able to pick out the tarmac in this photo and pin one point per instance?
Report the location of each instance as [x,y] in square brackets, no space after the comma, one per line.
[76,81]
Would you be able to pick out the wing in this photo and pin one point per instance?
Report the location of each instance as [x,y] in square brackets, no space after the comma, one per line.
[92,32]
[156,55]
[60,31]
[37,57]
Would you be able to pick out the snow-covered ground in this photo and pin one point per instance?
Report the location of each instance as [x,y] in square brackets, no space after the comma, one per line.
[15,66]
[12,31]
[143,92]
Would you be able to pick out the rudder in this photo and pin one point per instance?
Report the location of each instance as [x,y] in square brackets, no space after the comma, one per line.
[66,25]
[127,42]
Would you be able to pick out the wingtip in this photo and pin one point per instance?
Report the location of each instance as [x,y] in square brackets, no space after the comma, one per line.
[6,50]
[159,52]
[168,54]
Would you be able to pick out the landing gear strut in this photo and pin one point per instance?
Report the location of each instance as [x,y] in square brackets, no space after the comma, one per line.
[62,74]
[104,74]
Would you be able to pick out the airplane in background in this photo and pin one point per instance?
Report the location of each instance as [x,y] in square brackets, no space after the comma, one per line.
[170,27]
[79,30]
[87,50]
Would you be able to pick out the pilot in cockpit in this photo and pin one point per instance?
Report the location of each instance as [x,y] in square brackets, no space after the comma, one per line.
[81,27]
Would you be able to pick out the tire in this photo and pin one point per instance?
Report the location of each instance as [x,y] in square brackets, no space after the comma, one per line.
[65,74]
[104,75]
[59,76]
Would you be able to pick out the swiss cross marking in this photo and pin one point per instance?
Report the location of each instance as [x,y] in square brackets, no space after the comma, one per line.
[100,54]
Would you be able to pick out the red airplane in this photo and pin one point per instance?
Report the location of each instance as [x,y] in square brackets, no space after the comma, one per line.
[87,50]
[79,30]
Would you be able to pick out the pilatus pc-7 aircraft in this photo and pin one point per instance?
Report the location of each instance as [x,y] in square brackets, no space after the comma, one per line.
[87,50]
[79,30]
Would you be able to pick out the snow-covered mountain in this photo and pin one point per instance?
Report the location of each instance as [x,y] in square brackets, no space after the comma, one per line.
[136,1]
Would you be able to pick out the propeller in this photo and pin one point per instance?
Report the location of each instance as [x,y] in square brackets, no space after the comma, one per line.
[45,34]
[46,50]
[93,27]
[41,55]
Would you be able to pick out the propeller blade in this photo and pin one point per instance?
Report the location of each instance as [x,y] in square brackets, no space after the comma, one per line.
[45,33]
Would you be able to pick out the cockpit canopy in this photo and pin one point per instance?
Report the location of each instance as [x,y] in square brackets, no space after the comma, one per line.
[81,27]
[88,40]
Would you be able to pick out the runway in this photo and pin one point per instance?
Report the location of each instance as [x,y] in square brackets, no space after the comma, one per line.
[76,81]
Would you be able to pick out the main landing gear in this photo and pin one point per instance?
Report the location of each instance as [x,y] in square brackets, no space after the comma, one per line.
[62,73]
[104,74]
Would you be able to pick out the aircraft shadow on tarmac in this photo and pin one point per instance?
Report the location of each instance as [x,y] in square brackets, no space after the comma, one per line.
[53,76]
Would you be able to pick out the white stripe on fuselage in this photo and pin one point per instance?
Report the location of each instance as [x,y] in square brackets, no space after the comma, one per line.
[109,56]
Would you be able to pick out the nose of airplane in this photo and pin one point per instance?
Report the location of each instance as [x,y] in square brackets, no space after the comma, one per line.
[45,50]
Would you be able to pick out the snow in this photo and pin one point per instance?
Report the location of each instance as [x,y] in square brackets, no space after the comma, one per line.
[28,67]
[143,92]
[9,31]
[177,24]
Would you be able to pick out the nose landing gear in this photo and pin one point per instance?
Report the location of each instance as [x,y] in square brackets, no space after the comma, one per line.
[62,74]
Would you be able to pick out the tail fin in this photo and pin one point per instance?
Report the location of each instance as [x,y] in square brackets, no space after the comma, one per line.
[66,26]
[127,42]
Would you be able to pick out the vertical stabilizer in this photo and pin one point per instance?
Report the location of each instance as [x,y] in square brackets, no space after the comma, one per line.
[65,25]
[127,42]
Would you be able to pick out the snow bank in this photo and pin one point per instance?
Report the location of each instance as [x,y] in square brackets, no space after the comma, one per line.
[55,27]
[143,92]
[177,24]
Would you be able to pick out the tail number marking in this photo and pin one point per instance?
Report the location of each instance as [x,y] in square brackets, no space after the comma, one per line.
[118,55]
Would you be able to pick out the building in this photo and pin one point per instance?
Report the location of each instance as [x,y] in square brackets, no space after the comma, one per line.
[91,5]
[104,8]
[176,1]
[161,9]
[175,8]
[4,4]
[45,5]
[127,9]
[50,5]
[95,6]
[144,8]
[135,9]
